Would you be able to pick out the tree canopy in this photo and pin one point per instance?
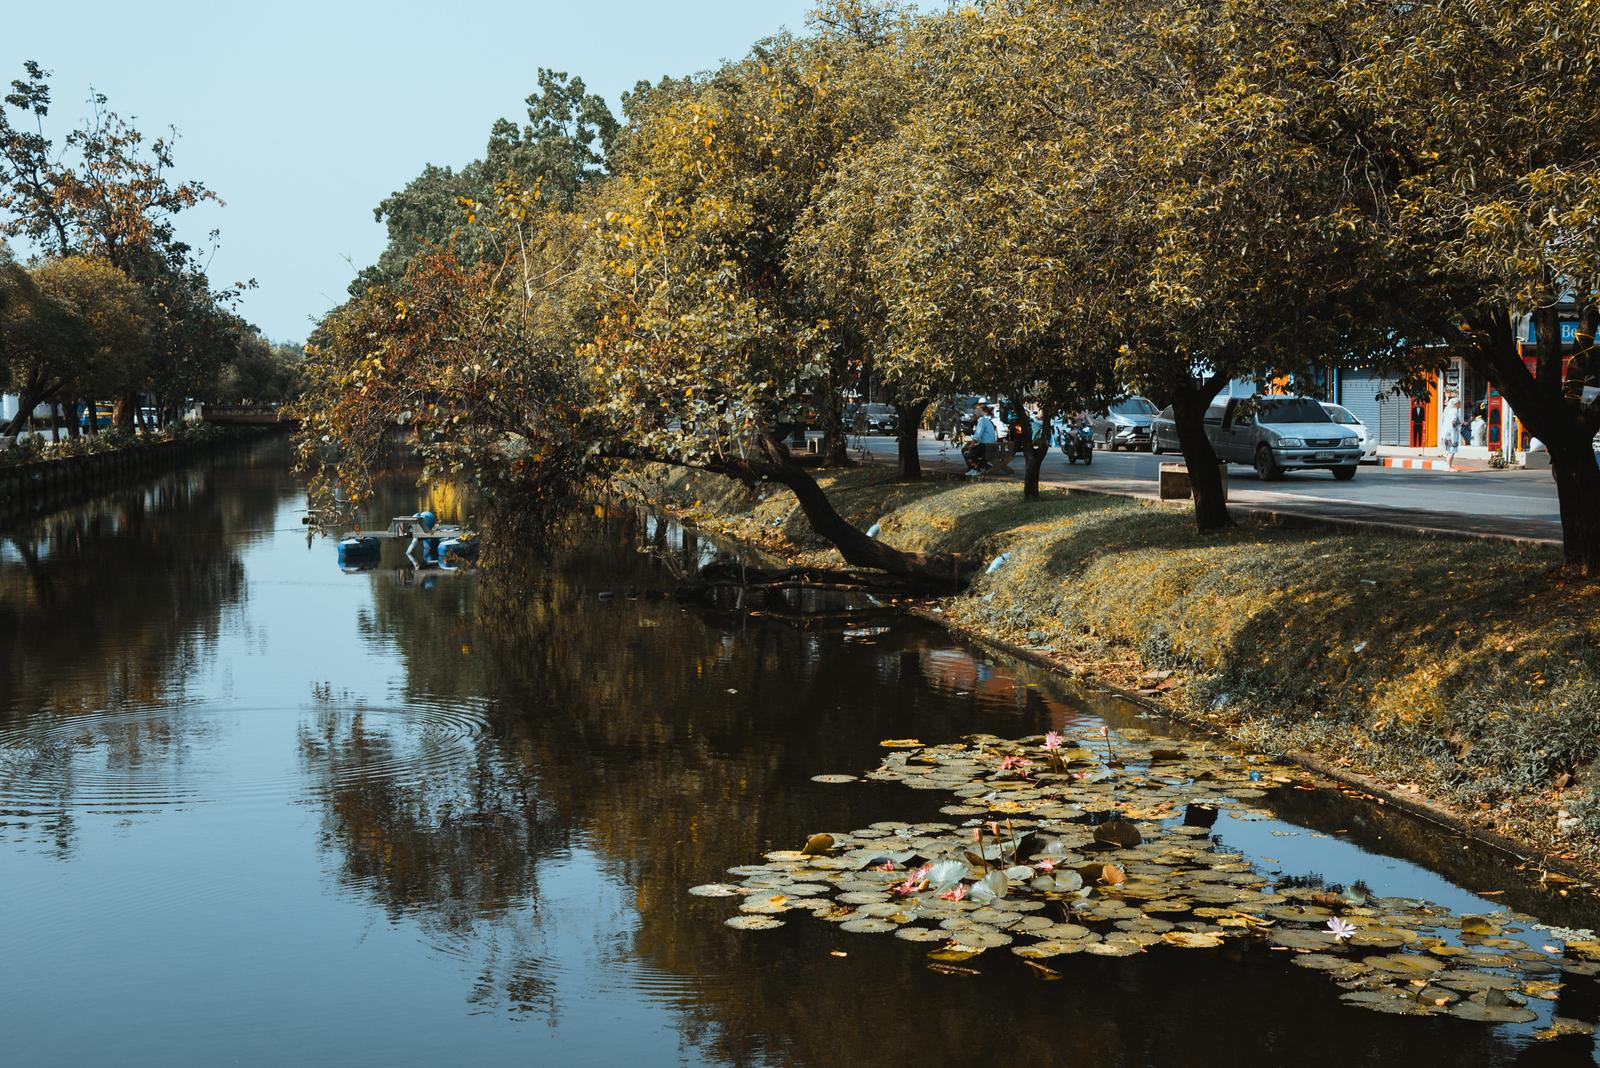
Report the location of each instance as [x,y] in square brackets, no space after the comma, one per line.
[1061,201]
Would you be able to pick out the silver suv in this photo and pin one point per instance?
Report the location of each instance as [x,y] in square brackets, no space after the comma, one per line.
[1278,434]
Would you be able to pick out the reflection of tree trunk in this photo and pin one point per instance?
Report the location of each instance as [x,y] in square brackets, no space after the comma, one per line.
[906,432]
[1189,404]
[1553,417]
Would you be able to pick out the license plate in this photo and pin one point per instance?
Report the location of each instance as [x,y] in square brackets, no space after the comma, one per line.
[1323,456]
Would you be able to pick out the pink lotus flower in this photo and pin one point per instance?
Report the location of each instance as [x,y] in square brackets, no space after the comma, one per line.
[1341,930]
[1045,866]
[913,882]
[1014,761]
[955,893]
[888,865]
[1052,740]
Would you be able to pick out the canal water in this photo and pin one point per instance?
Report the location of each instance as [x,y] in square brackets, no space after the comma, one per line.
[258,811]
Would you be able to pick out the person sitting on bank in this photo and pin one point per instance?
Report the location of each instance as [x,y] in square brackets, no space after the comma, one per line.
[984,438]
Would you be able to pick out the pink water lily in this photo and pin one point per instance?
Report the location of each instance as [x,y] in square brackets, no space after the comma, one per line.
[955,893]
[1045,866]
[915,881]
[1052,740]
[888,865]
[1341,929]
[1016,763]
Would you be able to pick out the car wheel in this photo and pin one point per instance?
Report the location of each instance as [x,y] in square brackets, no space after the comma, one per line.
[1110,446]
[1267,468]
[1345,473]
[1155,447]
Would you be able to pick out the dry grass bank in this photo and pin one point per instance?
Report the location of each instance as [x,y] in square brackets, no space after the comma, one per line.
[1465,672]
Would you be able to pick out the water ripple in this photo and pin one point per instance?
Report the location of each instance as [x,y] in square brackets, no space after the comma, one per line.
[149,759]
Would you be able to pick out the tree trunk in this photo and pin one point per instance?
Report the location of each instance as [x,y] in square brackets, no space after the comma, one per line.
[30,397]
[1033,454]
[930,573]
[1550,408]
[55,421]
[1189,404]
[125,412]
[73,430]
[906,434]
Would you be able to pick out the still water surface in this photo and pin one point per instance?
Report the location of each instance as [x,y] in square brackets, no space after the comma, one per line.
[257,811]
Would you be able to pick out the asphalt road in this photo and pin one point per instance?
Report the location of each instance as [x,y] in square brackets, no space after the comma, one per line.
[1519,504]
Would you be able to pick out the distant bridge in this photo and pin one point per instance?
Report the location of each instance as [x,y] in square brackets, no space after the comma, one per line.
[244,414]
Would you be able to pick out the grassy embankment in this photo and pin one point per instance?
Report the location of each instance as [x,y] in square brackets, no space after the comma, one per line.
[1462,673]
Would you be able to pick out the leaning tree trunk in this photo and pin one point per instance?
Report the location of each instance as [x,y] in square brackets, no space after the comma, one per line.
[1189,404]
[906,434]
[32,395]
[925,572]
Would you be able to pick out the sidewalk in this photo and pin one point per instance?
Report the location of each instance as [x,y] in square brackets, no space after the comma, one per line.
[1470,458]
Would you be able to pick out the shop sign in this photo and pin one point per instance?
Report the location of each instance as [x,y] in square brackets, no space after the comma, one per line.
[1569,331]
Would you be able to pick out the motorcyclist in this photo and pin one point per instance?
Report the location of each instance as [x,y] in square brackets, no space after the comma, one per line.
[984,438]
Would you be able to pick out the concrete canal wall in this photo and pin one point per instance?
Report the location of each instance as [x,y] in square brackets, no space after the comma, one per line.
[40,486]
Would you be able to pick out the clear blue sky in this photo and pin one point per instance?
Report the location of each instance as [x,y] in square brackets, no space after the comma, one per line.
[303,116]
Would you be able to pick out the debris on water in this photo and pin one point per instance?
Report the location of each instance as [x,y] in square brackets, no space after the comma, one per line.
[1066,846]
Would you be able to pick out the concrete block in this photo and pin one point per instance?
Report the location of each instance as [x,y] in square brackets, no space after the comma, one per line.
[1174,482]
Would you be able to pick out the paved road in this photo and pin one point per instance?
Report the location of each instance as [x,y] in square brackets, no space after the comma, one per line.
[1507,503]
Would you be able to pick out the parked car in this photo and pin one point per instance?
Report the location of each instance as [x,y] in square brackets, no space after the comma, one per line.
[881,418]
[1125,425]
[1164,432]
[1347,419]
[1278,434]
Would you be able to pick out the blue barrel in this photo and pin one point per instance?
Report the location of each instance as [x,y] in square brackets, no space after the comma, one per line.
[359,554]
[457,551]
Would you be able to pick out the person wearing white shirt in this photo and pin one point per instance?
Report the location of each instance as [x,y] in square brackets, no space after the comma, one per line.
[1450,429]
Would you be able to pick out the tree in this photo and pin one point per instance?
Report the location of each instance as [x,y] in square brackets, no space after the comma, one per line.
[1493,188]
[111,358]
[109,194]
[41,340]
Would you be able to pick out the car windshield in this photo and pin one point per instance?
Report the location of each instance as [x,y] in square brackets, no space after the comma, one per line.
[1341,415]
[879,409]
[1292,410]
[1133,406]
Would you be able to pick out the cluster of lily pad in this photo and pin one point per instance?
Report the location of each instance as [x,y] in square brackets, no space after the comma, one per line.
[1104,846]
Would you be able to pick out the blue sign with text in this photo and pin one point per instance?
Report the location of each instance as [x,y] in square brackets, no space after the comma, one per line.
[1569,331]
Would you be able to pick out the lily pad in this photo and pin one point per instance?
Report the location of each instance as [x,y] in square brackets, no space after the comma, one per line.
[1191,939]
[753,923]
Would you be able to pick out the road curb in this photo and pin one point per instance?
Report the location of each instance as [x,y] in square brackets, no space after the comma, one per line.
[1417,463]
[1297,520]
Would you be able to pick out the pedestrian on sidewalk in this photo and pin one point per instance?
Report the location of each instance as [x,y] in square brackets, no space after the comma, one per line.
[1450,428]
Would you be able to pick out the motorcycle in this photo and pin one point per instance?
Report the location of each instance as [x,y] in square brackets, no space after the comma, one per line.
[1077,443]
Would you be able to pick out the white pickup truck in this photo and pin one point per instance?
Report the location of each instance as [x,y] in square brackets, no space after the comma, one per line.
[1278,434]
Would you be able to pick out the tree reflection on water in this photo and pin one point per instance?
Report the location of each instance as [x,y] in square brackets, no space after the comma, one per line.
[655,746]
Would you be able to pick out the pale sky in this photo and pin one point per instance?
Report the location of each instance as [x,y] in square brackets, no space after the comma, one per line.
[303,116]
